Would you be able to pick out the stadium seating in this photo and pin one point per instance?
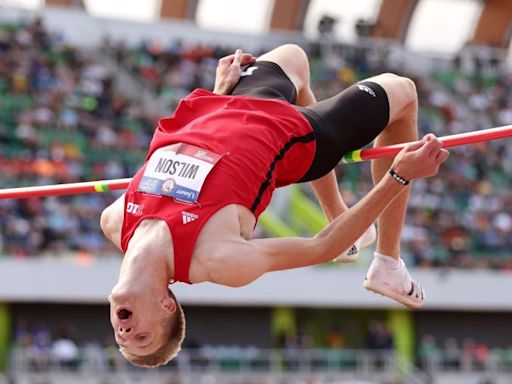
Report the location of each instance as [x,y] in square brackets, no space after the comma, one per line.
[87,130]
[85,137]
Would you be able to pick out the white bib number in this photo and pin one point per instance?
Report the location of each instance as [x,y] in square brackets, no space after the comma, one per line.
[179,174]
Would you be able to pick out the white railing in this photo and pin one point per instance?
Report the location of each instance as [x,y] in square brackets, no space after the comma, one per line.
[235,365]
[224,365]
[214,359]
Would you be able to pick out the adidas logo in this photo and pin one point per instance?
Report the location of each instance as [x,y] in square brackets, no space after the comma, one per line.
[188,217]
[353,250]
[366,89]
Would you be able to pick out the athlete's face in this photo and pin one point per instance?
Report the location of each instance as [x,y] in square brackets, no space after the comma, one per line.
[138,321]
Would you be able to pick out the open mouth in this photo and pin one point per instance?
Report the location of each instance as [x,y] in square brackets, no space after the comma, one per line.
[124,314]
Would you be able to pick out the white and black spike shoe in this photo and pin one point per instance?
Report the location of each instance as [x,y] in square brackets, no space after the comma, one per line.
[396,284]
[352,253]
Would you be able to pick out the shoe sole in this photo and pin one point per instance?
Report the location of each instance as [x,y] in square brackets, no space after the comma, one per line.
[408,302]
[346,259]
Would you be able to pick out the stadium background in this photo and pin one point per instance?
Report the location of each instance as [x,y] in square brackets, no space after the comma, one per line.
[79,96]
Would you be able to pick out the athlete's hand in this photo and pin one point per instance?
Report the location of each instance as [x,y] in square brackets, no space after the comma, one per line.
[229,70]
[420,159]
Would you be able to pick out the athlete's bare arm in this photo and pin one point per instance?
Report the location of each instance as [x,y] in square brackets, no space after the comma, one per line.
[239,262]
[111,221]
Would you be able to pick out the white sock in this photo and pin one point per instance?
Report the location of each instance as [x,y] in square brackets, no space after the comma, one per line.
[389,261]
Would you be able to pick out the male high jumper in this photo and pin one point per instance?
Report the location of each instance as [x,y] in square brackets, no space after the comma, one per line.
[189,212]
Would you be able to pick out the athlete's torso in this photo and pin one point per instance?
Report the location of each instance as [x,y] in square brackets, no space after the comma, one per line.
[263,144]
[229,223]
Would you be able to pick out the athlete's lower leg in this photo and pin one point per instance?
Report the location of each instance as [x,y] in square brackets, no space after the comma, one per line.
[391,221]
[402,127]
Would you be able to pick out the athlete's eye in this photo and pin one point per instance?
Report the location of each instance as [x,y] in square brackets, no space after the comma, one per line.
[141,337]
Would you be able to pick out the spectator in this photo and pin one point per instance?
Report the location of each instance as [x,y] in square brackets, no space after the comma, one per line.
[429,354]
[378,336]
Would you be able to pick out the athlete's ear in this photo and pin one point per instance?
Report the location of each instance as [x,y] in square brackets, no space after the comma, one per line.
[169,304]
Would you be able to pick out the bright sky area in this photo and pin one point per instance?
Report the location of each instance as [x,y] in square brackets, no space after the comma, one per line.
[437,25]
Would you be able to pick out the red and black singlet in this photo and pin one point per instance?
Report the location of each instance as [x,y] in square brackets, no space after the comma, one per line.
[264,144]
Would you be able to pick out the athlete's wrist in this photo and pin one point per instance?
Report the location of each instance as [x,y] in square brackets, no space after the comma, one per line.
[388,187]
[398,178]
[220,90]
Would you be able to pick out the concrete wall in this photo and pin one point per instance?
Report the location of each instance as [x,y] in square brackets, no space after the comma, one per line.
[77,281]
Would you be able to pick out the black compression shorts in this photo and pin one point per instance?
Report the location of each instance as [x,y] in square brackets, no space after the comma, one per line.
[343,123]
[266,80]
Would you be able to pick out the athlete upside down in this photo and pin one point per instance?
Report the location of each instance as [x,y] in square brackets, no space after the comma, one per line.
[261,128]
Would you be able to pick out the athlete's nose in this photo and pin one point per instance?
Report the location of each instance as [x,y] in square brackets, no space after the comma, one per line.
[124,330]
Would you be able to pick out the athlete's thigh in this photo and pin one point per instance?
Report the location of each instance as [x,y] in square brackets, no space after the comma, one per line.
[278,74]
[293,60]
[400,91]
[345,122]
[265,80]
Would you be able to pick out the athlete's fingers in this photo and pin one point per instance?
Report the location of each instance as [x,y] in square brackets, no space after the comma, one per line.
[428,144]
[413,146]
[442,156]
[237,59]
[226,60]
[247,58]
[432,145]
[242,58]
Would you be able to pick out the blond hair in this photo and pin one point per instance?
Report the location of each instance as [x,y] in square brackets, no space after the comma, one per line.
[174,333]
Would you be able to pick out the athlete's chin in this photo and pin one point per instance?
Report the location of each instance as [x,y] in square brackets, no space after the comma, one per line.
[121,296]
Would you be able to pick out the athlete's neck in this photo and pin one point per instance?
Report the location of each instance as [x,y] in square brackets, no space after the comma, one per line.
[148,262]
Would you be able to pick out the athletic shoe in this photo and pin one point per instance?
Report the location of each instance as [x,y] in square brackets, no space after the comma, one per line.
[352,253]
[395,283]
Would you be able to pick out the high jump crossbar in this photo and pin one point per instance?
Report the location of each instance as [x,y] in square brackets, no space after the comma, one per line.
[351,157]
[448,141]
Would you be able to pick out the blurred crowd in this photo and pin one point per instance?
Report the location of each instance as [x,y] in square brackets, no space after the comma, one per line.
[462,217]
[62,120]
[450,354]
[39,346]
[170,71]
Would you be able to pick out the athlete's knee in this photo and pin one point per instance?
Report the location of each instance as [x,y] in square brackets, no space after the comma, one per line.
[293,60]
[298,56]
[401,93]
[400,84]
[297,52]
[407,87]
[293,51]
[410,98]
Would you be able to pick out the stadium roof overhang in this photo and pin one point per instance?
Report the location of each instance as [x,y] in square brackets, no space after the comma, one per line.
[433,25]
